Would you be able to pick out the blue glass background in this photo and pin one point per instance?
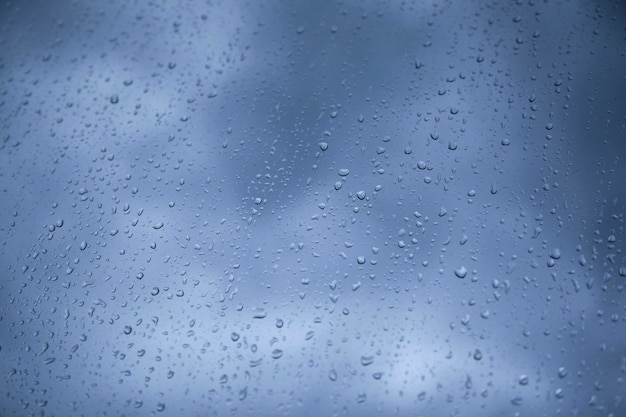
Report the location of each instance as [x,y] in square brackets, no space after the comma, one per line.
[312,208]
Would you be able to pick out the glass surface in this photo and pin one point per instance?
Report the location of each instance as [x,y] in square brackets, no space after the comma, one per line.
[322,208]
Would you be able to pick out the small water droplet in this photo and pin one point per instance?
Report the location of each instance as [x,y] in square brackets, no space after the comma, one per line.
[460,272]
[555,253]
[332,375]
[243,393]
[367,360]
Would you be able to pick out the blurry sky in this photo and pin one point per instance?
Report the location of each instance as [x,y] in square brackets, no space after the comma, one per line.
[312,208]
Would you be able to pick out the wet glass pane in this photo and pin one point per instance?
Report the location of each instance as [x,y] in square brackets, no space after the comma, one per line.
[331,208]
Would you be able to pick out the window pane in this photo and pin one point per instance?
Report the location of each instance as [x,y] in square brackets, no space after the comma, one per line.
[312,208]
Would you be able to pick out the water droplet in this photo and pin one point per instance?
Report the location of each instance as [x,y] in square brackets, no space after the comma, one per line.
[323,146]
[127,329]
[478,355]
[114,99]
[243,393]
[460,272]
[367,360]
[277,354]
[234,336]
[259,313]
[344,172]
[523,380]
[332,375]
[338,185]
